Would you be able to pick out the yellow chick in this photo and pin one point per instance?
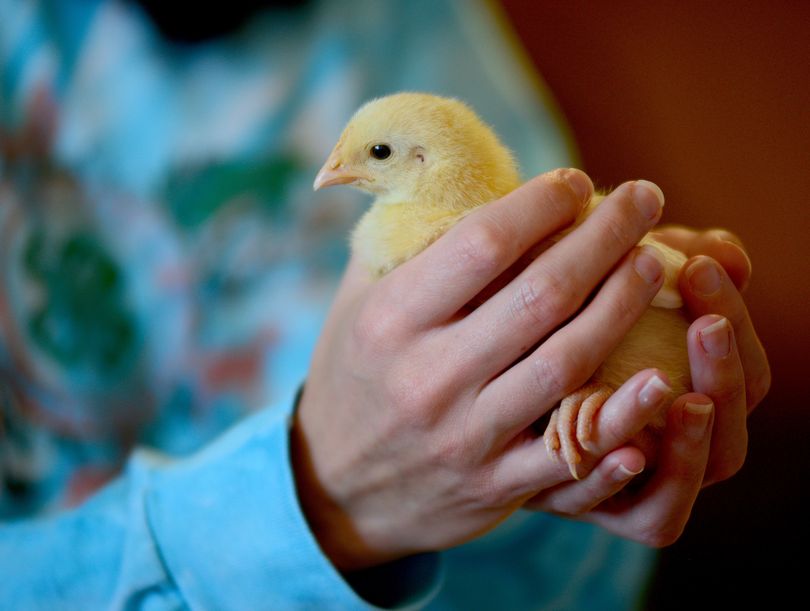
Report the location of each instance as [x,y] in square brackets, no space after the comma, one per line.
[430,161]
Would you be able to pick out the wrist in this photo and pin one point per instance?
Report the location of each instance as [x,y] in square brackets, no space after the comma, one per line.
[333,528]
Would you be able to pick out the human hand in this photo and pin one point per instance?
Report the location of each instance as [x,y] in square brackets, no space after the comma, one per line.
[737,379]
[705,437]
[414,431]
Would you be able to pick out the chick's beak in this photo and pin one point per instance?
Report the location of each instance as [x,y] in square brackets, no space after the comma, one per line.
[335,172]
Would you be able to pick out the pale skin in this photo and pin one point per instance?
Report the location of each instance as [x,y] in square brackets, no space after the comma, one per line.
[414,432]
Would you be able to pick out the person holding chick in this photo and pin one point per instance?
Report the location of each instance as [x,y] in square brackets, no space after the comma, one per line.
[414,431]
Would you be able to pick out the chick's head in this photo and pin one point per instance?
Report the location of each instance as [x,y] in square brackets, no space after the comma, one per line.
[412,146]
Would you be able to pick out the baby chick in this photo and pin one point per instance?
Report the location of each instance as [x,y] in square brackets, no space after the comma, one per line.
[430,161]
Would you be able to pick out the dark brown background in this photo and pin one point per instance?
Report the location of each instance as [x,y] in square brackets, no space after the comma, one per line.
[712,102]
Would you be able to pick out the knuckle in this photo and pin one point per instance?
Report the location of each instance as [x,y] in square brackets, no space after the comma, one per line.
[626,308]
[377,327]
[412,400]
[484,246]
[571,509]
[454,452]
[488,490]
[557,195]
[660,535]
[663,538]
[374,328]
[556,375]
[446,452]
[618,227]
[491,495]
[545,300]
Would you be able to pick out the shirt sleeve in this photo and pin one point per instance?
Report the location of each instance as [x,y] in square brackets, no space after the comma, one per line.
[219,530]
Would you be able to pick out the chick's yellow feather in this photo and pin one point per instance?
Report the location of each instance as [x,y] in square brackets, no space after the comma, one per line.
[444,162]
[430,161]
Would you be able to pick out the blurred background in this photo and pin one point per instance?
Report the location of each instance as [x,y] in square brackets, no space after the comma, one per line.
[712,102]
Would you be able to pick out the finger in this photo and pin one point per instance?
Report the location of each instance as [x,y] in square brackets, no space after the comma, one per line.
[641,400]
[657,513]
[610,476]
[528,467]
[717,373]
[690,241]
[566,360]
[454,269]
[722,245]
[556,284]
[707,289]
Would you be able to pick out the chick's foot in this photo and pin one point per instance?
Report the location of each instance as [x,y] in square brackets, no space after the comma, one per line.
[571,425]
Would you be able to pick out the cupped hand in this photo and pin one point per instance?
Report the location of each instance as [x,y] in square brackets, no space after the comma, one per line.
[729,364]
[705,439]
[414,431]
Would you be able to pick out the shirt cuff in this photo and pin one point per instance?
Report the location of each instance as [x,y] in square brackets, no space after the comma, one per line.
[229,528]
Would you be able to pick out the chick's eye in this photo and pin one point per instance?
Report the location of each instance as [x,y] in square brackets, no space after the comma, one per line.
[381,151]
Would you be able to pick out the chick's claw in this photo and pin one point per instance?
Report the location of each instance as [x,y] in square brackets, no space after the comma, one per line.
[563,436]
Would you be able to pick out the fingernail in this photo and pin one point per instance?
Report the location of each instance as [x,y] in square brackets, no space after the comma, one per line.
[622,473]
[580,183]
[742,250]
[653,392]
[649,199]
[695,418]
[747,260]
[716,339]
[648,264]
[703,277]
